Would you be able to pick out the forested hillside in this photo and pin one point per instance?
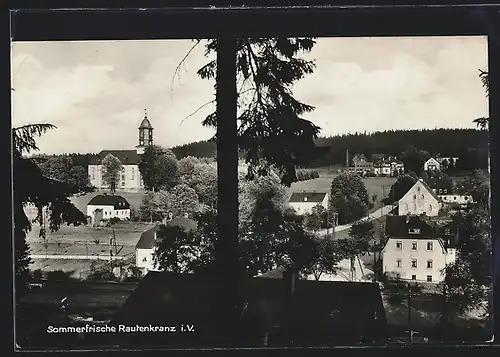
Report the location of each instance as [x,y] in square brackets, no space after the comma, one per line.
[469,143]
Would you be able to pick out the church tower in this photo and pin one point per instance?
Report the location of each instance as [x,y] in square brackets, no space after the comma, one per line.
[145,134]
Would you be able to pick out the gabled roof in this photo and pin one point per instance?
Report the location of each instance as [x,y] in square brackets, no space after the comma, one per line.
[341,311]
[147,239]
[126,157]
[399,227]
[118,202]
[426,187]
[307,197]
[432,160]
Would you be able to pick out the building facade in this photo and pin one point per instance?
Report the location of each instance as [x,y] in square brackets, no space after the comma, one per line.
[107,207]
[420,199]
[414,250]
[130,179]
[145,247]
[432,164]
[456,199]
[304,202]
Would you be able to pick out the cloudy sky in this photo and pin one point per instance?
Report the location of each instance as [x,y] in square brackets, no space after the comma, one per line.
[96,92]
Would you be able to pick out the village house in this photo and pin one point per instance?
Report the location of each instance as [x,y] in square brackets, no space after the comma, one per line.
[461,200]
[415,250]
[445,161]
[130,179]
[420,199]
[388,167]
[440,186]
[144,249]
[361,165]
[432,165]
[106,207]
[303,202]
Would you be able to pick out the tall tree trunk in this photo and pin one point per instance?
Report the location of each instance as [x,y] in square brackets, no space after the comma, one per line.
[227,259]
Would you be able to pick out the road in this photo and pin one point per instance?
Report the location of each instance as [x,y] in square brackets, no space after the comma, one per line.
[74,257]
[383,211]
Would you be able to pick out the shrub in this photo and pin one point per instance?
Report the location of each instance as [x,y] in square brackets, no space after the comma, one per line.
[304,175]
[57,276]
[133,273]
[37,275]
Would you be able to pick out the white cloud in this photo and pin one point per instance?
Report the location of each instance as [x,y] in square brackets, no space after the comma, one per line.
[95,92]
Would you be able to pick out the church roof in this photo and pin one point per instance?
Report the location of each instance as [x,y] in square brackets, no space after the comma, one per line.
[145,124]
[126,157]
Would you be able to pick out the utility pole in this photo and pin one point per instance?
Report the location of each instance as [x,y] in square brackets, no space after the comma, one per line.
[410,330]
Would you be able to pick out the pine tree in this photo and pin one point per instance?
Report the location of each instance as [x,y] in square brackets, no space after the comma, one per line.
[270,131]
[31,186]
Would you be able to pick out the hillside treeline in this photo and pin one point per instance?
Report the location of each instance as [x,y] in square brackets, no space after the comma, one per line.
[471,143]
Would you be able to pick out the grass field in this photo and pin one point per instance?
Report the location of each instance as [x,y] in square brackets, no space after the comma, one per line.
[77,269]
[379,186]
[126,233]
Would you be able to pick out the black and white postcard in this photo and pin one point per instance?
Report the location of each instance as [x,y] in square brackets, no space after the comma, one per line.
[363,193]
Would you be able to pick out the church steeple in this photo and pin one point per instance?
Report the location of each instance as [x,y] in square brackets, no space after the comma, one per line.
[145,134]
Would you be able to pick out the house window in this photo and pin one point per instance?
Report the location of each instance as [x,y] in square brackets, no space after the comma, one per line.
[398,263]
[414,197]
[132,176]
[414,263]
[414,231]
[399,245]
[144,259]
[123,169]
[454,198]
[92,172]
[429,278]
[447,231]
[429,245]
[413,277]
[430,208]
[429,264]
[413,245]
[422,196]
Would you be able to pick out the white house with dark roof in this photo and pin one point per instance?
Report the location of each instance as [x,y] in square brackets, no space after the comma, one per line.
[303,202]
[145,247]
[130,178]
[420,199]
[108,206]
[415,249]
[432,164]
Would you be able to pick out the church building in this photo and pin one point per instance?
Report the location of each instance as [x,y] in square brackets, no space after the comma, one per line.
[130,179]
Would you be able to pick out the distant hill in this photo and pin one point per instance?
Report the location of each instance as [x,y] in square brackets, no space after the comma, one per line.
[446,142]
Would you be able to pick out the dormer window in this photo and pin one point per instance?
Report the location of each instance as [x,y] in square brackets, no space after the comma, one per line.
[305,199]
[414,231]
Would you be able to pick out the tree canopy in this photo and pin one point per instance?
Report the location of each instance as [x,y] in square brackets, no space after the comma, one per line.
[31,186]
[158,167]
[349,198]
[270,130]
[468,279]
[111,170]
